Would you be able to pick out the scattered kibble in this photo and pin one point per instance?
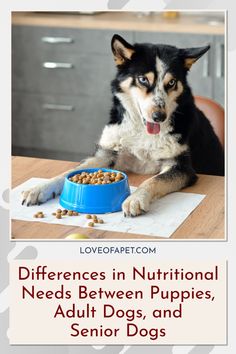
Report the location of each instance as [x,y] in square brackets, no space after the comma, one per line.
[59,213]
[39,214]
[98,177]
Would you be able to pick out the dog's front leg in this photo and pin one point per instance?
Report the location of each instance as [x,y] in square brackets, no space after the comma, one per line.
[156,187]
[53,187]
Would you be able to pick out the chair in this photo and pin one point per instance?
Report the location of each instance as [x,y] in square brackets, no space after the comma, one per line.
[214,112]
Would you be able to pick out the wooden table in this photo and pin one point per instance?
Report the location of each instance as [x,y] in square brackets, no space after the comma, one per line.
[205,222]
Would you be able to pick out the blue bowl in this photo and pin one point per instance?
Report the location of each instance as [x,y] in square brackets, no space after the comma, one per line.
[96,199]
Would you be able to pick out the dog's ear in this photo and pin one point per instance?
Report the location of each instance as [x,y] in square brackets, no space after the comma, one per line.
[191,55]
[121,49]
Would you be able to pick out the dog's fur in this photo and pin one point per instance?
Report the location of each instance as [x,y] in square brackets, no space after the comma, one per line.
[154,128]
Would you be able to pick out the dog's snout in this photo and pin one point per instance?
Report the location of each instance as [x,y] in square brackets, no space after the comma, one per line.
[161,104]
[158,116]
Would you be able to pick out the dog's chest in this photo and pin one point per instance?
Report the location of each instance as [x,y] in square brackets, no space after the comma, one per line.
[152,148]
[135,141]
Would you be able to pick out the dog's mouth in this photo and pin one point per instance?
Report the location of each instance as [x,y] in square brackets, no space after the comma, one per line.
[152,127]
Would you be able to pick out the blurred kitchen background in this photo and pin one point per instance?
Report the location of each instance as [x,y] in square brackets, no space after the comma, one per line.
[62,66]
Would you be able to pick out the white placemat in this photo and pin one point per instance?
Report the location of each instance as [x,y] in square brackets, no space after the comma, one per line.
[165,216]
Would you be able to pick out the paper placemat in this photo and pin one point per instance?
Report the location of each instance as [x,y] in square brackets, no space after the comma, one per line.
[164,217]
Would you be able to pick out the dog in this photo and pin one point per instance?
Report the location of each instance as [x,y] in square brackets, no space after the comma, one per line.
[154,128]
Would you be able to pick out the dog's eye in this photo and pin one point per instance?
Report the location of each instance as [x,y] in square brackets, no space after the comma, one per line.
[143,80]
[171,83]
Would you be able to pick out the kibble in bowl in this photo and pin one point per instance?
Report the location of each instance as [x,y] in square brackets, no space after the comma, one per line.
[97,177]
[95,191]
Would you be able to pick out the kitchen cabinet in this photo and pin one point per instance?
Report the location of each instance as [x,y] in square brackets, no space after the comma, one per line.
[219,69]
[61,90]
[58,123]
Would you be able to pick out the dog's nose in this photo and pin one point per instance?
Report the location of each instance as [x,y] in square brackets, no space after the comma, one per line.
[158,116]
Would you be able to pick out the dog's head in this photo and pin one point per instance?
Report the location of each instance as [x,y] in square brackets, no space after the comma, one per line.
[152,78]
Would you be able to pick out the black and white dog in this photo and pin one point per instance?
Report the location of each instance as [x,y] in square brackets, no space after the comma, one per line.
[154,128]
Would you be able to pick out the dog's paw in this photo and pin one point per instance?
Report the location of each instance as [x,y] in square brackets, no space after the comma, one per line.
[137,203]
[40,194]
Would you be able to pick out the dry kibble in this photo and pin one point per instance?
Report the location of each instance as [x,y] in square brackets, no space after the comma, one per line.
[100,221]
[39,214]
[91,224]
[98,177]
[59,213]
[88,216]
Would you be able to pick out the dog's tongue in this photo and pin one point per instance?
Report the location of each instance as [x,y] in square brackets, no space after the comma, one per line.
[153,128]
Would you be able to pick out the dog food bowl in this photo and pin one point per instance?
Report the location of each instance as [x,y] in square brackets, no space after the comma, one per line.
[96,199]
